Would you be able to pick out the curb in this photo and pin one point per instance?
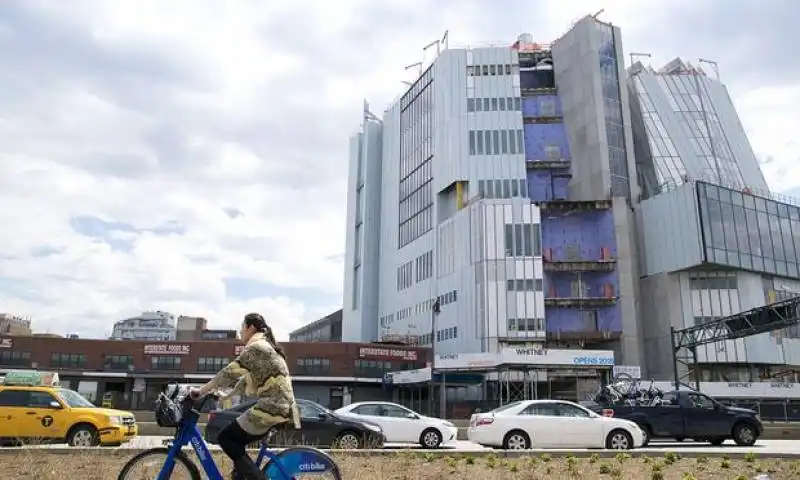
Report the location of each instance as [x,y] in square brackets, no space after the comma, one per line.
[420,453]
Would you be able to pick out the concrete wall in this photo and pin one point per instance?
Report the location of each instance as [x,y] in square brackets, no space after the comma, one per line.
[630,349]
[577,72]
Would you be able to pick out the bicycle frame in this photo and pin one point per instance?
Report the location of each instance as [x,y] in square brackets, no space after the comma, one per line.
[189,434]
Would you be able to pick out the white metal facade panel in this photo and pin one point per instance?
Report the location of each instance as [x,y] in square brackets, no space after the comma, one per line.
[668,230]
[362,245]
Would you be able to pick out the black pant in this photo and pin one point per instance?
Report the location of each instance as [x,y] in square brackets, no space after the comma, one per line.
[234,440]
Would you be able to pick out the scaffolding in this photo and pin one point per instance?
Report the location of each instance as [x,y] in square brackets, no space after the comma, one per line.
[769,318]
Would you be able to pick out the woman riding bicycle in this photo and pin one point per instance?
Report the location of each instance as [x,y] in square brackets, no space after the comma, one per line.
[264,374]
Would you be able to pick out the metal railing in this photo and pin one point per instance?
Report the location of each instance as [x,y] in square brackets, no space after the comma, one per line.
[710,178]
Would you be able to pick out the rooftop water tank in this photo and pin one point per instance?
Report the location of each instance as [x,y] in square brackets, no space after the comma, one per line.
[525,38]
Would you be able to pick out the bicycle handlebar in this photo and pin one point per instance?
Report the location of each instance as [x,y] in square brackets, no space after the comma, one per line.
[190,403]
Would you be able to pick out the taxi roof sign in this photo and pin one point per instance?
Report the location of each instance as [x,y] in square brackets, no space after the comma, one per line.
[29,378]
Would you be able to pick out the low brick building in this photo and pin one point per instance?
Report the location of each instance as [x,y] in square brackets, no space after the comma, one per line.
[133,372]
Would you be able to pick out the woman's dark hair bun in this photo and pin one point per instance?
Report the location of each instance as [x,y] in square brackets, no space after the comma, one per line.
[256,320]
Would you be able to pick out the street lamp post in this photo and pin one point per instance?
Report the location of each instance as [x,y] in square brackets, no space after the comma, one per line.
[435,309]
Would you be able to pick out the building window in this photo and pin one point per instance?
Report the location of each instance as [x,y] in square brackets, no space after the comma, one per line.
[523,240]
[372,368]
[15,359]
[525,285]
[165,363]
[118,362]
[424,266]
[416,154]
[212,364]
[447,298]
[313,366]
[404,276]
[526,324]
[68,360]
[447,334]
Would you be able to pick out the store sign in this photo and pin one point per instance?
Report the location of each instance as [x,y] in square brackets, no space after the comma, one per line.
[743,389]
[402,377]
[557,357]
[380,353]
[527,356]
[467,361]
[6,343]
[167,349]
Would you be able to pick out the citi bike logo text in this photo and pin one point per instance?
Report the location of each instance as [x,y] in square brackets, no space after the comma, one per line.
[312,467]
[198,448]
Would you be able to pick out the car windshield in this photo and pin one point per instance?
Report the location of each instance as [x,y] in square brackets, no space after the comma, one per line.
[74,399]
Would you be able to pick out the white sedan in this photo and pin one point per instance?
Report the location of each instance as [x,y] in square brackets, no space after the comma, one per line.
[401,425]
[551,424]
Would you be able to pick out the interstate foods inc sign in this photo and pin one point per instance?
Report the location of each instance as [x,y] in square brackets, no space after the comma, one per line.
[383,353]
[167,349]
[528,356]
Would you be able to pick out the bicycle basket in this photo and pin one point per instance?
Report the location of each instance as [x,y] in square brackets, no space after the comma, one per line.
[168,409]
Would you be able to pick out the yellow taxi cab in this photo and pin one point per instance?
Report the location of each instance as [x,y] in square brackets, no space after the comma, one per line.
[34,408]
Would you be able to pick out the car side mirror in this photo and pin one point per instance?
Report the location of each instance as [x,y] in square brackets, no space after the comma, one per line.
[412,416]
[55,404]
[322,416]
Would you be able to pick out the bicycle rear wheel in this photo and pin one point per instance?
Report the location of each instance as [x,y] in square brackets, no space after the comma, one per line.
[302,462]
[147,465]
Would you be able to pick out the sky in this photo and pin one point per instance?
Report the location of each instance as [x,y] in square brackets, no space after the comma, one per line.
[191,156]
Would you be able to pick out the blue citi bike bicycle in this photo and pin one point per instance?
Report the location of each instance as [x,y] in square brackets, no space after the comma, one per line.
[183,413]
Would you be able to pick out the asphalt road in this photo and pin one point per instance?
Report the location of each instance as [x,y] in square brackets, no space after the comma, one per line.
[772,447]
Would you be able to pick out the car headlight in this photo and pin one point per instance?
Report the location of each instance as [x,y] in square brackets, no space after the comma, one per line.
[115,420]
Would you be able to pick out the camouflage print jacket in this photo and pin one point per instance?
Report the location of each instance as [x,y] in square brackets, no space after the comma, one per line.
[260,372]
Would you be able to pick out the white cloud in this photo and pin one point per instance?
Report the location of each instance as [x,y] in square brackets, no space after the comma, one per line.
[154,112]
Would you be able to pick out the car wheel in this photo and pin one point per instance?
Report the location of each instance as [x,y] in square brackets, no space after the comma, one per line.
[347,441]
[516,440]
[744,435]
[83,436]
[430,438]
[619,440]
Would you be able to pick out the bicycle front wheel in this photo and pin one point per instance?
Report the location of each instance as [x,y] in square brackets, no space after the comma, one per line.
[147,465]
[302,462]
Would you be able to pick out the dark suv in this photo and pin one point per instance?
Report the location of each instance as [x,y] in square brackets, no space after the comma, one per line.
[320,428]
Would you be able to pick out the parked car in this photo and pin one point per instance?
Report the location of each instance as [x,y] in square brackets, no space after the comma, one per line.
[34,407]
[689,414]
[401,425]
[551,424]
[320,427]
